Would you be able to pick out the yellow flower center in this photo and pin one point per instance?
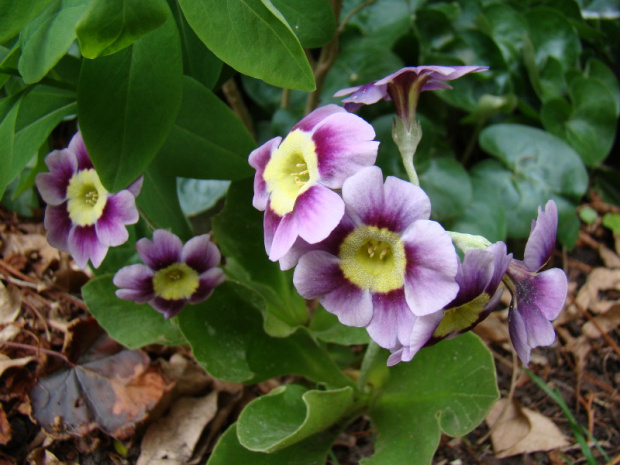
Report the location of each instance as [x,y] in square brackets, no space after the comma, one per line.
[86,198]
[177,281]
[292,170]
[373,259]
[459,318]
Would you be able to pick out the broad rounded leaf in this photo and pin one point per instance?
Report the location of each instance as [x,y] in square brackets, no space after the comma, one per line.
[552,36]
[127,104]
[252,37]
[290,414]
[15,14]
[447,184]
[9,107]
[454,395]
[312,20]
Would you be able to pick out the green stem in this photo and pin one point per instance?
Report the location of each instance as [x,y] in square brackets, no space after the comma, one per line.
[369,359]
[407,140]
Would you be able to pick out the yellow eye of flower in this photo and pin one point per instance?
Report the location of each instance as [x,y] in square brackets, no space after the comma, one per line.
[86,198]
[373,259]
[177,281]
[291,171]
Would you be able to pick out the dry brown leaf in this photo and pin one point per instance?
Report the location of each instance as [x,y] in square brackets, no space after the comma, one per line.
[601,279]
[5,428]
[493,329]
[10,307]
[171,440]
[6,362]
[609,257]
[608,321]
[29,244]
[42,456]
[191,379]
[522,431]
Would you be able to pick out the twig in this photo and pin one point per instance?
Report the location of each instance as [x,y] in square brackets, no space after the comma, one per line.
[53,353]
[591,319]
[353,12]
[235,100]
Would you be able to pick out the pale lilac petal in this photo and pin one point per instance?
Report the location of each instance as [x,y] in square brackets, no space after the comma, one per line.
[120,210]
[58,225]
[162,251]
[309,121]
[363,95]
[168,308]
[136,283]
[432,264]
[53,185]
[541,242]
[421,333]
[283,239]
[271,221]
[77,146]
[84,244]
[200,254]
[352,305]
[136,186]
[518,336]
[317,273]
[208,281]
[539,330]
[344,145]
[473,276]
[392,319]
[502,260]
[258,160]
[546,291]
[297,250]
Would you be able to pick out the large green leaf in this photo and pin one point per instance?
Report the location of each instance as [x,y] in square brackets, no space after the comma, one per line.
[207,140]
[311,451]
[129,323]
[449,387]
[15,14]
[312,20]
[111,25]
[48,37]
[227,338]
[9,107]
[326,327]
[534,166]
[447,184]
[252,37]
[289,414]
[589,124]
[127,104]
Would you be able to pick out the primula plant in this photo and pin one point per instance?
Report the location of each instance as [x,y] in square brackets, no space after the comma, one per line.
[298,195]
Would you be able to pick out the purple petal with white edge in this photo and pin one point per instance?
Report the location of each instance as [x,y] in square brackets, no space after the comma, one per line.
[77,146]
[392,320]
[58,225]
[352,305]
[162,251]
[84,244]
[136,283]
[518,336]
[258,160]
[299,248]
[309,121]
[541,242]
[539,330]
[120,210]
[344,145]
[501,262]
[363,95]
[168,308]
[546,291]
[136,186]
[53,185]
[431,269]
[317,274]
[473,275]
[208,281]
[422,331]
[271,221]
[200,254]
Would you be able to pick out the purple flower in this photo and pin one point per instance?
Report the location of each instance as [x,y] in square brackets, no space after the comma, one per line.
[173,275]
[404,87]
[537,298]
[386,264]
[81,216]
[478,277]
[295,176]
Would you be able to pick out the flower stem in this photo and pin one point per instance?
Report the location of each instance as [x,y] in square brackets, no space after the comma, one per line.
[407,140]
[368,361]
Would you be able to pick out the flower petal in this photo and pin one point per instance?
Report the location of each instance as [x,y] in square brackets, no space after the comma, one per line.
[76,145]
[317,274]
[313,118]
[392,320]
[363,95]
[422,331]
[84,244]
[200,253]
[53,185]
[120,210]
[168,308]
[518,336]
[549,291]
[541,242]
[207,283]
[352,305]
[258,160]
[136,283]
[271,221]
[431,267]
[164,250]
[136,186]
[58,225]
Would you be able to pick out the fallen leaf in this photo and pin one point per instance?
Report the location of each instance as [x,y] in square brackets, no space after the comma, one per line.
[493,328]
[6,362]
[10,307]
[608,321]
[171,440]
[601,279]
[42,456]
[522,431]
[5,428]
[609,257]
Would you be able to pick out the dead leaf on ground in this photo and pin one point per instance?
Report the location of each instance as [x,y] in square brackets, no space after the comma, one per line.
[32,246]
[493,328]
[109,387]
[522,431]
[42,456]
[589,296]
[608,321]
[171,440]
[190,378]
[6,362]
[5,428]
[609,257]
[10,307]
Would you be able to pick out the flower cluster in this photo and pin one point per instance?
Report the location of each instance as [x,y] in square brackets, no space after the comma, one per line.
[366,247]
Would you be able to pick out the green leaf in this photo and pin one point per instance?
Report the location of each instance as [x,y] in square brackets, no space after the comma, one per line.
[15,14]
[253,28]
[48,37]
[227,339]
[535,167]
[127,104]
[326,327]
[588,215]
[449,387]
[159,203]
[311,451]
[9,107]
[291,413]
[447,184]
[507,28]
[199,195]
[112,25]
[598,70]
[129,323]
[552,36]
[312,20]
[589,126]
[612,221]
[207,140]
